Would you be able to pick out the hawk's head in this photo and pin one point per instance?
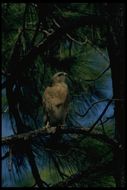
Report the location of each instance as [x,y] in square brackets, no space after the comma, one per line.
[59,77]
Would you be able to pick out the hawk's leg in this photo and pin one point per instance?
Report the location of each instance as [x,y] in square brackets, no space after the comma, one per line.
[46,122]
[47,125]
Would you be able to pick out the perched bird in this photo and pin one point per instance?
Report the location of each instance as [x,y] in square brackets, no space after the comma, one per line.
[56,101]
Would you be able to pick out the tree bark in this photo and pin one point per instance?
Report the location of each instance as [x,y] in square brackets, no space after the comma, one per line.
[116,50]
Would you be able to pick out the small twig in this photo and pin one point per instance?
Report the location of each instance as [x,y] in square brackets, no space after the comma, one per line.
[108,118]
[48,33]
[83,115]
[68,35]
[94,80]
[99,76]
[83,43]
[76,41]
[4,73]
[102,124]
[5,109]
[10,159]
[97,49]
[5,155]
[56,23]
[106,99]
[103,112]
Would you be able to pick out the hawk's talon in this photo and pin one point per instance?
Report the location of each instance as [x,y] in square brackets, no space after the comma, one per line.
[47,125]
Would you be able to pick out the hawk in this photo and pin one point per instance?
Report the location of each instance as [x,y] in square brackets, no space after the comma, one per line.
[56,100]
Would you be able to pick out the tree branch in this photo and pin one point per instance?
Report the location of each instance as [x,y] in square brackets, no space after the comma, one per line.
[107,119]
[99,118]
[83,115]
[72,24]
[99,101]
[45,132]
[99,76]
[76,41]
[4,73]
[83,43]
[97,49]
[6,155]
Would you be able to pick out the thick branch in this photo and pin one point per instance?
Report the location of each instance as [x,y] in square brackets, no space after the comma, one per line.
[43,131]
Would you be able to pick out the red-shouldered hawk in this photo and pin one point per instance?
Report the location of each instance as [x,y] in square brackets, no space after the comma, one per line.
[56,100]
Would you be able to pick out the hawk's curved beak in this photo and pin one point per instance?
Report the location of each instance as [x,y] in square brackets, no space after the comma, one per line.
[65,74]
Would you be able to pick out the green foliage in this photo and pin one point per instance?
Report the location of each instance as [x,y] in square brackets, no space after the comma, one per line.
[12,15]
[4,100]
[89,153]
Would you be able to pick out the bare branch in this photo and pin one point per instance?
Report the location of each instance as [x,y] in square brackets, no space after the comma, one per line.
[102,124]
[106,120]
[76,41]
[49,43]
[6,155]
[83,43]
[99,101]
[103,112]
[4,73]
[97,49]
[83,115]
[56,23]
[10,159]
[99,76]
[45,132]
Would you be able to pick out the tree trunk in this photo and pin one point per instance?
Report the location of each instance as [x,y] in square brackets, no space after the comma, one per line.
[116,50]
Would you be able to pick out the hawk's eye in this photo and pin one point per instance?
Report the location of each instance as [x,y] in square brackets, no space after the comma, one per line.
[60,74]
[58,105]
